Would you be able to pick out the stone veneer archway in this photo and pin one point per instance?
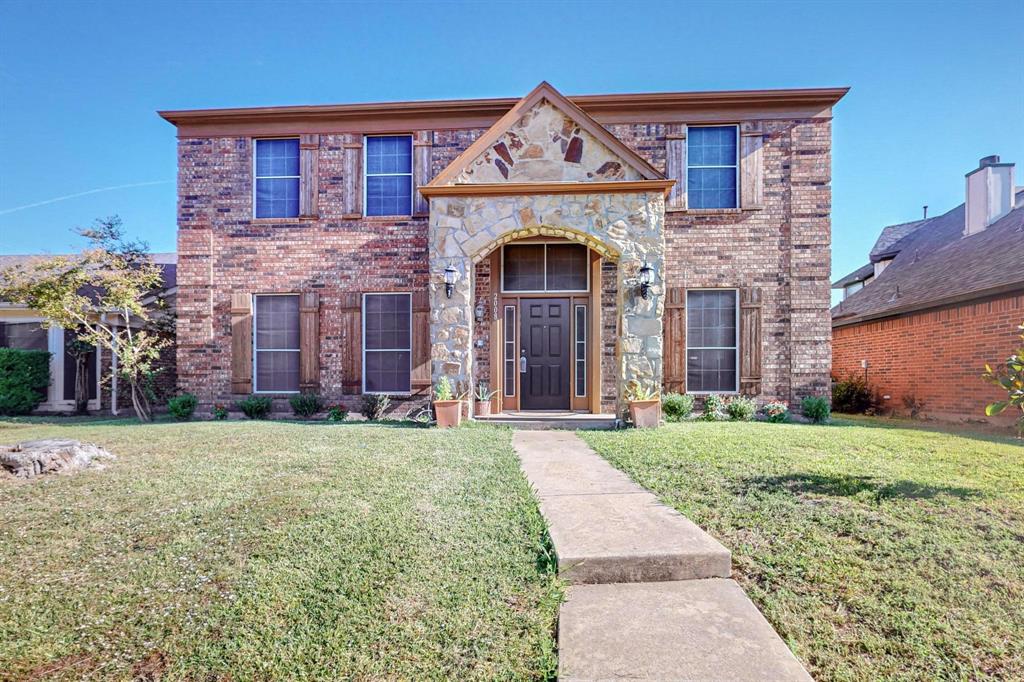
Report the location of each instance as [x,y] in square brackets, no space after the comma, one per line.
[625,227]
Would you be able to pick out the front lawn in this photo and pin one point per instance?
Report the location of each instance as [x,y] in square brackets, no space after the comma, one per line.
[249,550]
[876,552]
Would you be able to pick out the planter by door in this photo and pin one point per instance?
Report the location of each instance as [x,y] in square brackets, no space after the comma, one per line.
[483,408]
[645,413]
[448,413]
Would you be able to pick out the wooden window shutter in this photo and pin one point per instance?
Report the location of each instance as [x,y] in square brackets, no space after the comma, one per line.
[750,341]
[422,151]
[352,198]
[421,378]
[751,166]
[309,182]
[241,342]
[674,368]
[675,166]
[309,342]
[351,309]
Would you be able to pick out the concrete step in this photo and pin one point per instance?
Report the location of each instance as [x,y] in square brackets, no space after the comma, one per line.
[606,528]
[553,422]
[686,630]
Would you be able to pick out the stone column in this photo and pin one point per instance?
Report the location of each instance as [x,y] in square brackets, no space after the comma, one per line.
[640,325]
[451,319]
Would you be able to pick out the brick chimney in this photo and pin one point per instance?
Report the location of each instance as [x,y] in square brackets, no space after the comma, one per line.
[989,194]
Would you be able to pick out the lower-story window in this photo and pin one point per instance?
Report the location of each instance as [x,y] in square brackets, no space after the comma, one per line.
[276,344]
[711,348]
[387,343]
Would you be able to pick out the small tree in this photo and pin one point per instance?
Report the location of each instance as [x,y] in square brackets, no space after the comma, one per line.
[1010,378]
[99,296]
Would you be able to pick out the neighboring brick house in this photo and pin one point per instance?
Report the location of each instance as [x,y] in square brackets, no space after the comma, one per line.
[377,247]
[22,327]
[943,296]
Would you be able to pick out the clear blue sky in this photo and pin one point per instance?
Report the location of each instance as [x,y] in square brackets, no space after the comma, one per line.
[935,86]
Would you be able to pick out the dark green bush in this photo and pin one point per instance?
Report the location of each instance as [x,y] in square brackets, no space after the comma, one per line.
[24,377]
[374,406]
[852,395]
[677,406]
[816,408]
[337,413]
[306,404]
[256,406]
[181,407]
[713,405]
[740,408]
[776,412]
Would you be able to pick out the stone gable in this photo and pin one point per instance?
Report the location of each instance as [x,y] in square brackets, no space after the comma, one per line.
[545,145]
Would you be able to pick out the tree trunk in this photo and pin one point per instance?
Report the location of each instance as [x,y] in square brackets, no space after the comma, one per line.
[81,383]
[140,403]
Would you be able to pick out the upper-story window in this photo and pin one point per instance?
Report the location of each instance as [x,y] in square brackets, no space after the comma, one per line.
[276,176]
[388,175]
[712,168]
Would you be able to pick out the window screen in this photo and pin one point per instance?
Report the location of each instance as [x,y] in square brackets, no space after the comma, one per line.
[387,343]
[711,355]
[277,178]
[276,344]
[545,267]
[711,166]
[389,175]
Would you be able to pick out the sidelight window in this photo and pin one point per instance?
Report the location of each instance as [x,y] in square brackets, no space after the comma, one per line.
[581,350]
[510,356]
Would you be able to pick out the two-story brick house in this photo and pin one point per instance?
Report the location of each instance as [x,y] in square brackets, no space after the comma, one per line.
[556,248]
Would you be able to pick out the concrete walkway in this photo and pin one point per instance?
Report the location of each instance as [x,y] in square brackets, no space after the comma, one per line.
[649,595]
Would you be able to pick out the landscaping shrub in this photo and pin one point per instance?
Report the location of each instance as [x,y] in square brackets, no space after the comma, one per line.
[24,376]
[337,413]
[713,405]
[256,406]
[181,407]
[852,395]
[306,404]
[776,413]
[677,406]
[740,408]
[816,408]
[220,412]
[374,406]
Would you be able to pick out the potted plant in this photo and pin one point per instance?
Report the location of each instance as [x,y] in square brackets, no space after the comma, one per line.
[644,405]
[447,409]
[483,400]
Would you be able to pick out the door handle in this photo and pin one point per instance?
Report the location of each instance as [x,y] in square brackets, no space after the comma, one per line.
[522,362]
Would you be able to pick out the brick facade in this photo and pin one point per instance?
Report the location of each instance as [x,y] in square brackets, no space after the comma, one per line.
[934,356]
[782,248]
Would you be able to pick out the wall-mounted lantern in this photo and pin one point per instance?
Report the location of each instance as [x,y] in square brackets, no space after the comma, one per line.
[449,280]
[646,279]
[479,312]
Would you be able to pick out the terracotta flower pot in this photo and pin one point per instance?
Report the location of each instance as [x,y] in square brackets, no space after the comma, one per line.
[483,408]
[645,413]
[448,413]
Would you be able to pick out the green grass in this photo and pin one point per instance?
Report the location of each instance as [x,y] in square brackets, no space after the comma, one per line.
[876,552]
[264,550]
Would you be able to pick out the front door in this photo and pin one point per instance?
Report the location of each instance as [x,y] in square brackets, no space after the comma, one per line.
[544,355]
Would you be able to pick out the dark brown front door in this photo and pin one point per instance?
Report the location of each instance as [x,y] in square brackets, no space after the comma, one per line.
[545,346]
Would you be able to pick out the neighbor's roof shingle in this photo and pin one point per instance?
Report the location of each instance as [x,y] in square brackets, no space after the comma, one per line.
[936,264]
[892,234]
[858,275]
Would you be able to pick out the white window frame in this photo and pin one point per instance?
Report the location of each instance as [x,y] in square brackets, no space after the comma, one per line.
[545,290]
[736,167]
[55,391]
[255,144]
[367,174]
[378,350]
[256,349]
[736,348]
[579,357]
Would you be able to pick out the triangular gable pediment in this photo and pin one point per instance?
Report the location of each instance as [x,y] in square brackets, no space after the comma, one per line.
[546,138]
